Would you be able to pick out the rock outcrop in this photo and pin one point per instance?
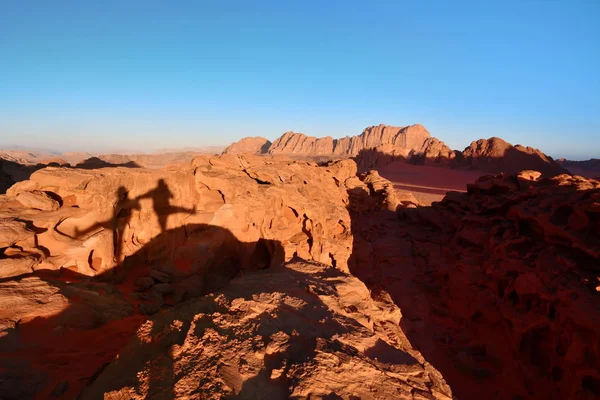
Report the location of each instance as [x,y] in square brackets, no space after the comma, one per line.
[380,145]
[498,156]
[405,139]
[109,214]
[240,277]
[249,145]
[88,255]
[300,331]
[498,286]
[437,153]
[492,155]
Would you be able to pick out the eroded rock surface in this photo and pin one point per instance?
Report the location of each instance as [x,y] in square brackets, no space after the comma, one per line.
[406,139]
[300,331]
[230,278]
[109,214]
[88,255]
[498,156]
[498,286]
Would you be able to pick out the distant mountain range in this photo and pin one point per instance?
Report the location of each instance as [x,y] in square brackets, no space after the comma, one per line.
[18,165]
[375,147]
[154,159]
[381,144]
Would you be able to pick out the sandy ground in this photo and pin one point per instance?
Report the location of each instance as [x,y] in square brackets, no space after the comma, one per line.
[427,184]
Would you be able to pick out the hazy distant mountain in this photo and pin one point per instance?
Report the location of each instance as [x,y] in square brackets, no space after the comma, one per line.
[158,158]
[201,149]
[589,168]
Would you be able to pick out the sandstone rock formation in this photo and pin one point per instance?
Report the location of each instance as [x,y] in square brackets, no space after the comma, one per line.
[156,159]
[498,286]
[24,157]
[79,280]
[496,155]
[491,155]
[406,139]
[300,331]
[381,145]
[238,277]
[253,197]
[249,145]
[435,152]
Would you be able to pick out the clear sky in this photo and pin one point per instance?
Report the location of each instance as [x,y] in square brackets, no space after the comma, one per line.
[141,75]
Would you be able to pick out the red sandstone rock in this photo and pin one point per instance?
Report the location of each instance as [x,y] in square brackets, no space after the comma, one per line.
[79,281]
[406,139]
[498,285]
[275,334]
[496,155]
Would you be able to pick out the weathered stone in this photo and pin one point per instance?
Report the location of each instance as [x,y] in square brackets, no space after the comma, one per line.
[39,200]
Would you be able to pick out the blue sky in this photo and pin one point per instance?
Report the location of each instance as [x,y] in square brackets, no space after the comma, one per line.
[142,75]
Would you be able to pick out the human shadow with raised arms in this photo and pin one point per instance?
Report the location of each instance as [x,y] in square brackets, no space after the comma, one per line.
[90,319]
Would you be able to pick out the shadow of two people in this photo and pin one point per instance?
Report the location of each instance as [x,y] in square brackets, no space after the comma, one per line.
[205,259]
[161,197]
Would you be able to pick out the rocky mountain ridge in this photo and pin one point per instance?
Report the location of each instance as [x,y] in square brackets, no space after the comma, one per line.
[382,144]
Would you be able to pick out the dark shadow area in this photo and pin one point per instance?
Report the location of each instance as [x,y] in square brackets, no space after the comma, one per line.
[161,202]
[264,149]
[488,336]
[56,355]
[117,223]
[12,172]
[309,329]
[96,163]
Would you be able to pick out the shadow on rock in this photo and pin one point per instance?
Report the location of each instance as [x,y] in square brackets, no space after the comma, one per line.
[497,286]
[74,324]
[281,333]
[96,163]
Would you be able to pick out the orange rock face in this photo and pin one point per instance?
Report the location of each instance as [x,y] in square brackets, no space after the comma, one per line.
[496,155]
[250,277]
[88,255]
[380,145]
[406,139]
[303,331]
[109,214]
